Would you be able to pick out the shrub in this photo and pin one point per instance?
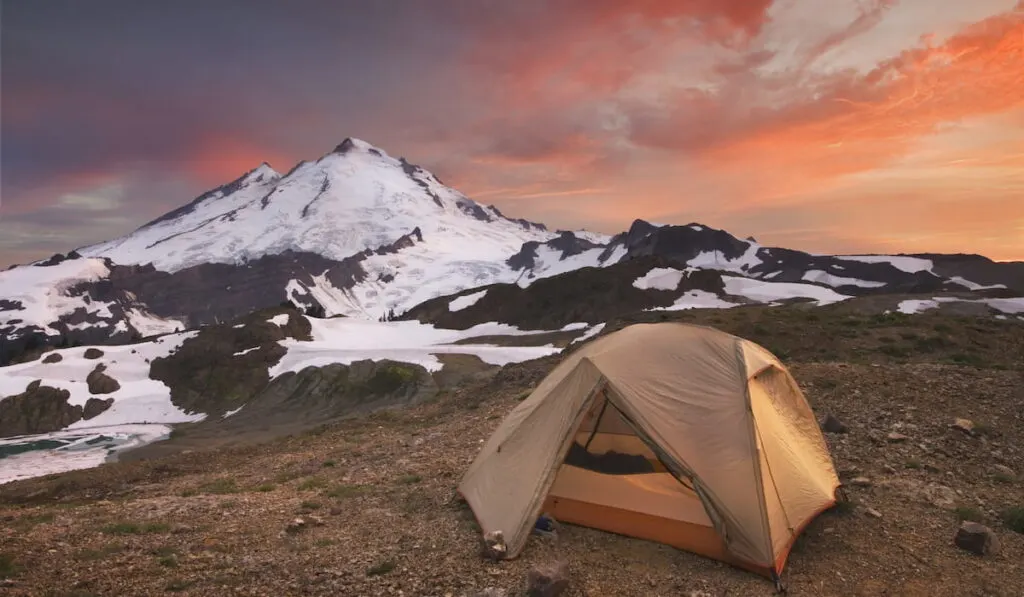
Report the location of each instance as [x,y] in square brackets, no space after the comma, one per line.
[410,479]
[312,483]
[1013,518]
[131,528]
[220,486]
[8,567]
[968,513]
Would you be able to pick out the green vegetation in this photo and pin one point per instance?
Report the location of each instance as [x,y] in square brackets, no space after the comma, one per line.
[345,491]
[1001,477]
[178,584]
[309,505]
[312,483]
[220,486]
[264,488]
[329,464]
[389,379]
[409,479]
[913,464]
[1013,518]
[968,513]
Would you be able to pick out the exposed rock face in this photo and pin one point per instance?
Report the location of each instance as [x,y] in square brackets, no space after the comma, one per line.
[39,409]
[92,353]
[206,374]
[977,539]
[96,406]
[592,295]
[101,383]
[53,357]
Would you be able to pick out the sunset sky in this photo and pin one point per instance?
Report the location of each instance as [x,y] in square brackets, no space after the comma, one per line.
[831,126]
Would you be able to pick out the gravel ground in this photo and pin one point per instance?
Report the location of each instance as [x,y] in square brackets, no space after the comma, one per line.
[380,515]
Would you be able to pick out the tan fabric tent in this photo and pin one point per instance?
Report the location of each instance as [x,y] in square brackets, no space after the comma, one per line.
[670,432]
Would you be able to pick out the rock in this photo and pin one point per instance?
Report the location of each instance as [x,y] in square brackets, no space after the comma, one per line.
[92,353]
[833,425]
[976,538]
[860,482]
[494,546]
[964,425]
[53,357]
[940,496]
[39,409]
[547,580]
[895,437]
[1002,469]
[490,592]
[295,525]
[95,406]
[101,383]
[873,513]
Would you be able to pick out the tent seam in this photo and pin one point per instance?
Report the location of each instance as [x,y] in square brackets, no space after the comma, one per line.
[741,363]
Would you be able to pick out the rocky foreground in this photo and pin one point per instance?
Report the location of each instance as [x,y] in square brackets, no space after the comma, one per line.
[924,417]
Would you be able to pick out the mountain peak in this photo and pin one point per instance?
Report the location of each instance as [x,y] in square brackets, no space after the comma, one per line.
[352,143]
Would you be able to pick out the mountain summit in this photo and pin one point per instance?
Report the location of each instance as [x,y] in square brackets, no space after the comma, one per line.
[354,198]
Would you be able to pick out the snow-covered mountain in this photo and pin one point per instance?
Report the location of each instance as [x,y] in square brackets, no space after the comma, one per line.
[362,234]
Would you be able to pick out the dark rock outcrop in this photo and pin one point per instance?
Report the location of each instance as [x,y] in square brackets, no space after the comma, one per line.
[590,295]
[92,353]
[53,357]
[39,409]
[208,374]
[101,383]
[96,406]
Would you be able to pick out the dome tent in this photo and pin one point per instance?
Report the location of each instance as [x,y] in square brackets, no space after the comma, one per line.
[670,432]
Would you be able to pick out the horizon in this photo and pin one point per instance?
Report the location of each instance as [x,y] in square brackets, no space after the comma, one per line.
[862,128]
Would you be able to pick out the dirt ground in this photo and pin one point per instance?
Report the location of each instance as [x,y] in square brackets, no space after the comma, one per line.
[382,516]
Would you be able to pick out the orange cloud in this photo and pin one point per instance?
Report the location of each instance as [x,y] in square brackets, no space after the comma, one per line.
[865,122]
[217,160]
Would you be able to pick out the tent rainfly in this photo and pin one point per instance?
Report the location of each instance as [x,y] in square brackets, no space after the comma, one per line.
[675,433]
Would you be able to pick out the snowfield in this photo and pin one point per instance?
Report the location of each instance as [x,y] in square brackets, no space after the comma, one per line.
[139,400]
[911,265]
[345,340]
[766,292]
[42,292]
[1009,306]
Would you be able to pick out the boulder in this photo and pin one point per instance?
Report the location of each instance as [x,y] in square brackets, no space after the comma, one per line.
[95,406]
[92,353]
[976,538]
[53,357]
[101,383]
[860,482]
[493,546]
[548,580]
[39,409]
[833,425]
[895,437]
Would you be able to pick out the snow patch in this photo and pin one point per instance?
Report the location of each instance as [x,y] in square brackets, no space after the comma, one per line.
[139,400]
[718,261]
[346,340]
[911,265]
[589,333]
[697,299]
[280,320]
[660,278]
[42,292]
[974,285]
[761,291]
[823,277]
[246,351]
[151,325]
[468,300]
